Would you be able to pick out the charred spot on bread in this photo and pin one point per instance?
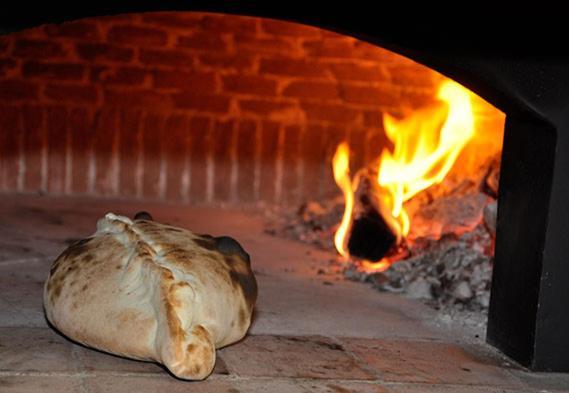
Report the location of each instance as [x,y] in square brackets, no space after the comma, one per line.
[143,215]
[206,242]
[248,286]
[229,246]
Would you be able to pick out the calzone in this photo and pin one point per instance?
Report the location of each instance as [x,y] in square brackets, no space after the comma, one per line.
[150,291]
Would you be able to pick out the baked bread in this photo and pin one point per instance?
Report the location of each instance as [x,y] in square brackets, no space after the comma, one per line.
[149,291]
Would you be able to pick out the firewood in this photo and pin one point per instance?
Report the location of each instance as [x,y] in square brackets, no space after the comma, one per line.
[370,237]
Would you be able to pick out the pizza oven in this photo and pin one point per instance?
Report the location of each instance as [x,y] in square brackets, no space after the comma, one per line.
[228,107]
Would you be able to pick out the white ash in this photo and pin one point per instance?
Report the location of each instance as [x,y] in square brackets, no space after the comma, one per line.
[452,271]
[312,222]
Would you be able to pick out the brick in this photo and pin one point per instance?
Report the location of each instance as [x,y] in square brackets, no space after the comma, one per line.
[249,84]
[366,51]
[185,20]
[293,67]
[265,107]
[237,63]
[130,150]
[253,44]
[358,71]
[369,387]
[377,96]
[412,74]
[376,142]
[53,71]
[74,94]
[219,23]
[176,148]
[430,362]
[317,90]
[21,289]
[335,134]
[268,157]
[34,133]
[292,357]
[329,47]
[201,102]
[153,128]
[224,137]
[142,98]
[291,161]
[197,82]
[103,52]
[35,349]
[416,98]
[341,47]
[105,125]
[79,30]
[200,147]
[135,35]
[118,76]
[37,49]
[329,112]
[57,146]
[247,145]
[313,156]
[443,388]
[203,40]
[373,118]
[277,27]
[7,65]
[82,137]
[135,383]
[167,57]
[49,383]
[357,141]
[10,147]
[13,89]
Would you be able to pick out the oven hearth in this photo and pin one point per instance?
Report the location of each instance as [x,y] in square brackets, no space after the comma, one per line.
[299,342]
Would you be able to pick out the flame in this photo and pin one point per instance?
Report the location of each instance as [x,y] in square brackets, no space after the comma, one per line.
[341,166]
[426,145]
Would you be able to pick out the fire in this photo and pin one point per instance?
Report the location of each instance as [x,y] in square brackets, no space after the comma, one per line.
[341,166]
[426,145]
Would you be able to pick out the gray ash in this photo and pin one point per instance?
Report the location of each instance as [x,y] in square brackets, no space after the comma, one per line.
[447,260]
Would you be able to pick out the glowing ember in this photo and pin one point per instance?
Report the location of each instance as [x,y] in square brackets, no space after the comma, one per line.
[426,145]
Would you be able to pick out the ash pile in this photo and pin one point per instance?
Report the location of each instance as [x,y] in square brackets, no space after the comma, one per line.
[446,259]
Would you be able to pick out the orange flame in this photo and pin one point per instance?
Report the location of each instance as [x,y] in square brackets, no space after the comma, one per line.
[426,146]
[341,167]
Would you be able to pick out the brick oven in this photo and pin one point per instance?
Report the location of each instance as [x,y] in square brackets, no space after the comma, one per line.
[209,109]
[125,90]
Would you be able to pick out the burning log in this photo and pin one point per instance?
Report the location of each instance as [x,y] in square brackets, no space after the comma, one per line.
[370,236]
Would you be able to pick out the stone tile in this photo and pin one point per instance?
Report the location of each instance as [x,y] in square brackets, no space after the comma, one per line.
[21,292]
[93,361]
[382,387]
[430,362]
[35,349]
[343,387]
[427,388]
[100,362]
[32,384]
[544,381]
[120,384]
[296,357]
